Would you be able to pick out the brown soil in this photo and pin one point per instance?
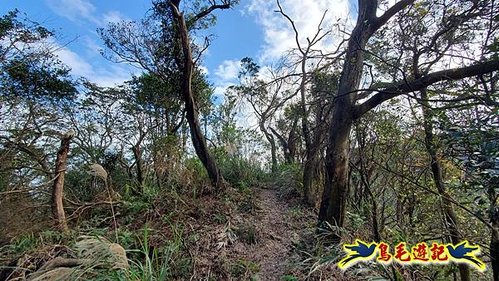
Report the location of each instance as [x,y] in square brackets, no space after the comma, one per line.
[240,235]
[257,242]
[285,241]
[276,235]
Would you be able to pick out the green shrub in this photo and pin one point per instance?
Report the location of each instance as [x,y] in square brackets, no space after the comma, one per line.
[288,180]
[238,171]
[244,268]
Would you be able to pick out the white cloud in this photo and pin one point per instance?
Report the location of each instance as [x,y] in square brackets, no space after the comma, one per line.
[114,75]
[228,70]
[74,10]
[113,17]
[78,65]
[204,69]
[83,11]
[278,33]
[107,76]
[92,47]
[225,76]
[219,93]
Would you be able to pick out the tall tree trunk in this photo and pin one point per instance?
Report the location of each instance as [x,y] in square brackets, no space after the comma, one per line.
[137,154]
[311,150]
[309,169]
[309,174]
[312,160]
[334,197]
[187,65]
[332,209]
[58,187]
[345,111]
[436,169]
[285,145]
[292,141]
[270,139]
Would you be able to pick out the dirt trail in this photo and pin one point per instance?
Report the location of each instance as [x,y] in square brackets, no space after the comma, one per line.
[275,235]
[282,229]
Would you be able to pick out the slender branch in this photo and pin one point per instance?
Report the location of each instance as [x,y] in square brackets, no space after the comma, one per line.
[380,21]
[206,12]
[297,40]
[451,199]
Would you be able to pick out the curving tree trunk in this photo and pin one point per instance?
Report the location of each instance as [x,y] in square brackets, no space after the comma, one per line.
[332,209]
[58,187]
[271,140]
[288,145]
[186,64]
[345,111]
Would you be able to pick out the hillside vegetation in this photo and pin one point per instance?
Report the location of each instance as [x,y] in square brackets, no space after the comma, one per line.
[383,129]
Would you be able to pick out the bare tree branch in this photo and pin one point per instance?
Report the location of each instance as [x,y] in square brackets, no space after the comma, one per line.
[394,90]
[380,21]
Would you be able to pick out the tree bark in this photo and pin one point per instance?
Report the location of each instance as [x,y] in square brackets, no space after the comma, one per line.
[345,111]
[270,139]
[436,169]
[287,149]
[309,169]
[332,209]
[292,142]
[137,154]
[310,173]
[186,63]
[312,159]
[58,187]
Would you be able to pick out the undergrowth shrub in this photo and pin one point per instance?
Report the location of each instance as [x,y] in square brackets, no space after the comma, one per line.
[288,180]
[238,171]
[191,176]
[154,257]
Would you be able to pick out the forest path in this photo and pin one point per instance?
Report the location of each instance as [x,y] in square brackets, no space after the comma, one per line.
[276,235]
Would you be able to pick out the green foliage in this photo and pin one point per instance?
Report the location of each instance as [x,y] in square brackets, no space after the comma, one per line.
[194,165]
[30,71]
[37,80]
[161,263]
[323,83]
[27,31]
[296,212]
[289,278]
[244,269]
[25,243]
[148,262]
[149,93]
[30,242]
[238,171]
[247,233]
[288,179]
[78,184]
[474,148]
[248,68]
[135,206]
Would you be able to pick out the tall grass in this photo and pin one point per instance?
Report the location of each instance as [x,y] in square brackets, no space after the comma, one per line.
[164,263]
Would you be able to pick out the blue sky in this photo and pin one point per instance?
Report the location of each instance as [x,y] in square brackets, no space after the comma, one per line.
[251,29]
